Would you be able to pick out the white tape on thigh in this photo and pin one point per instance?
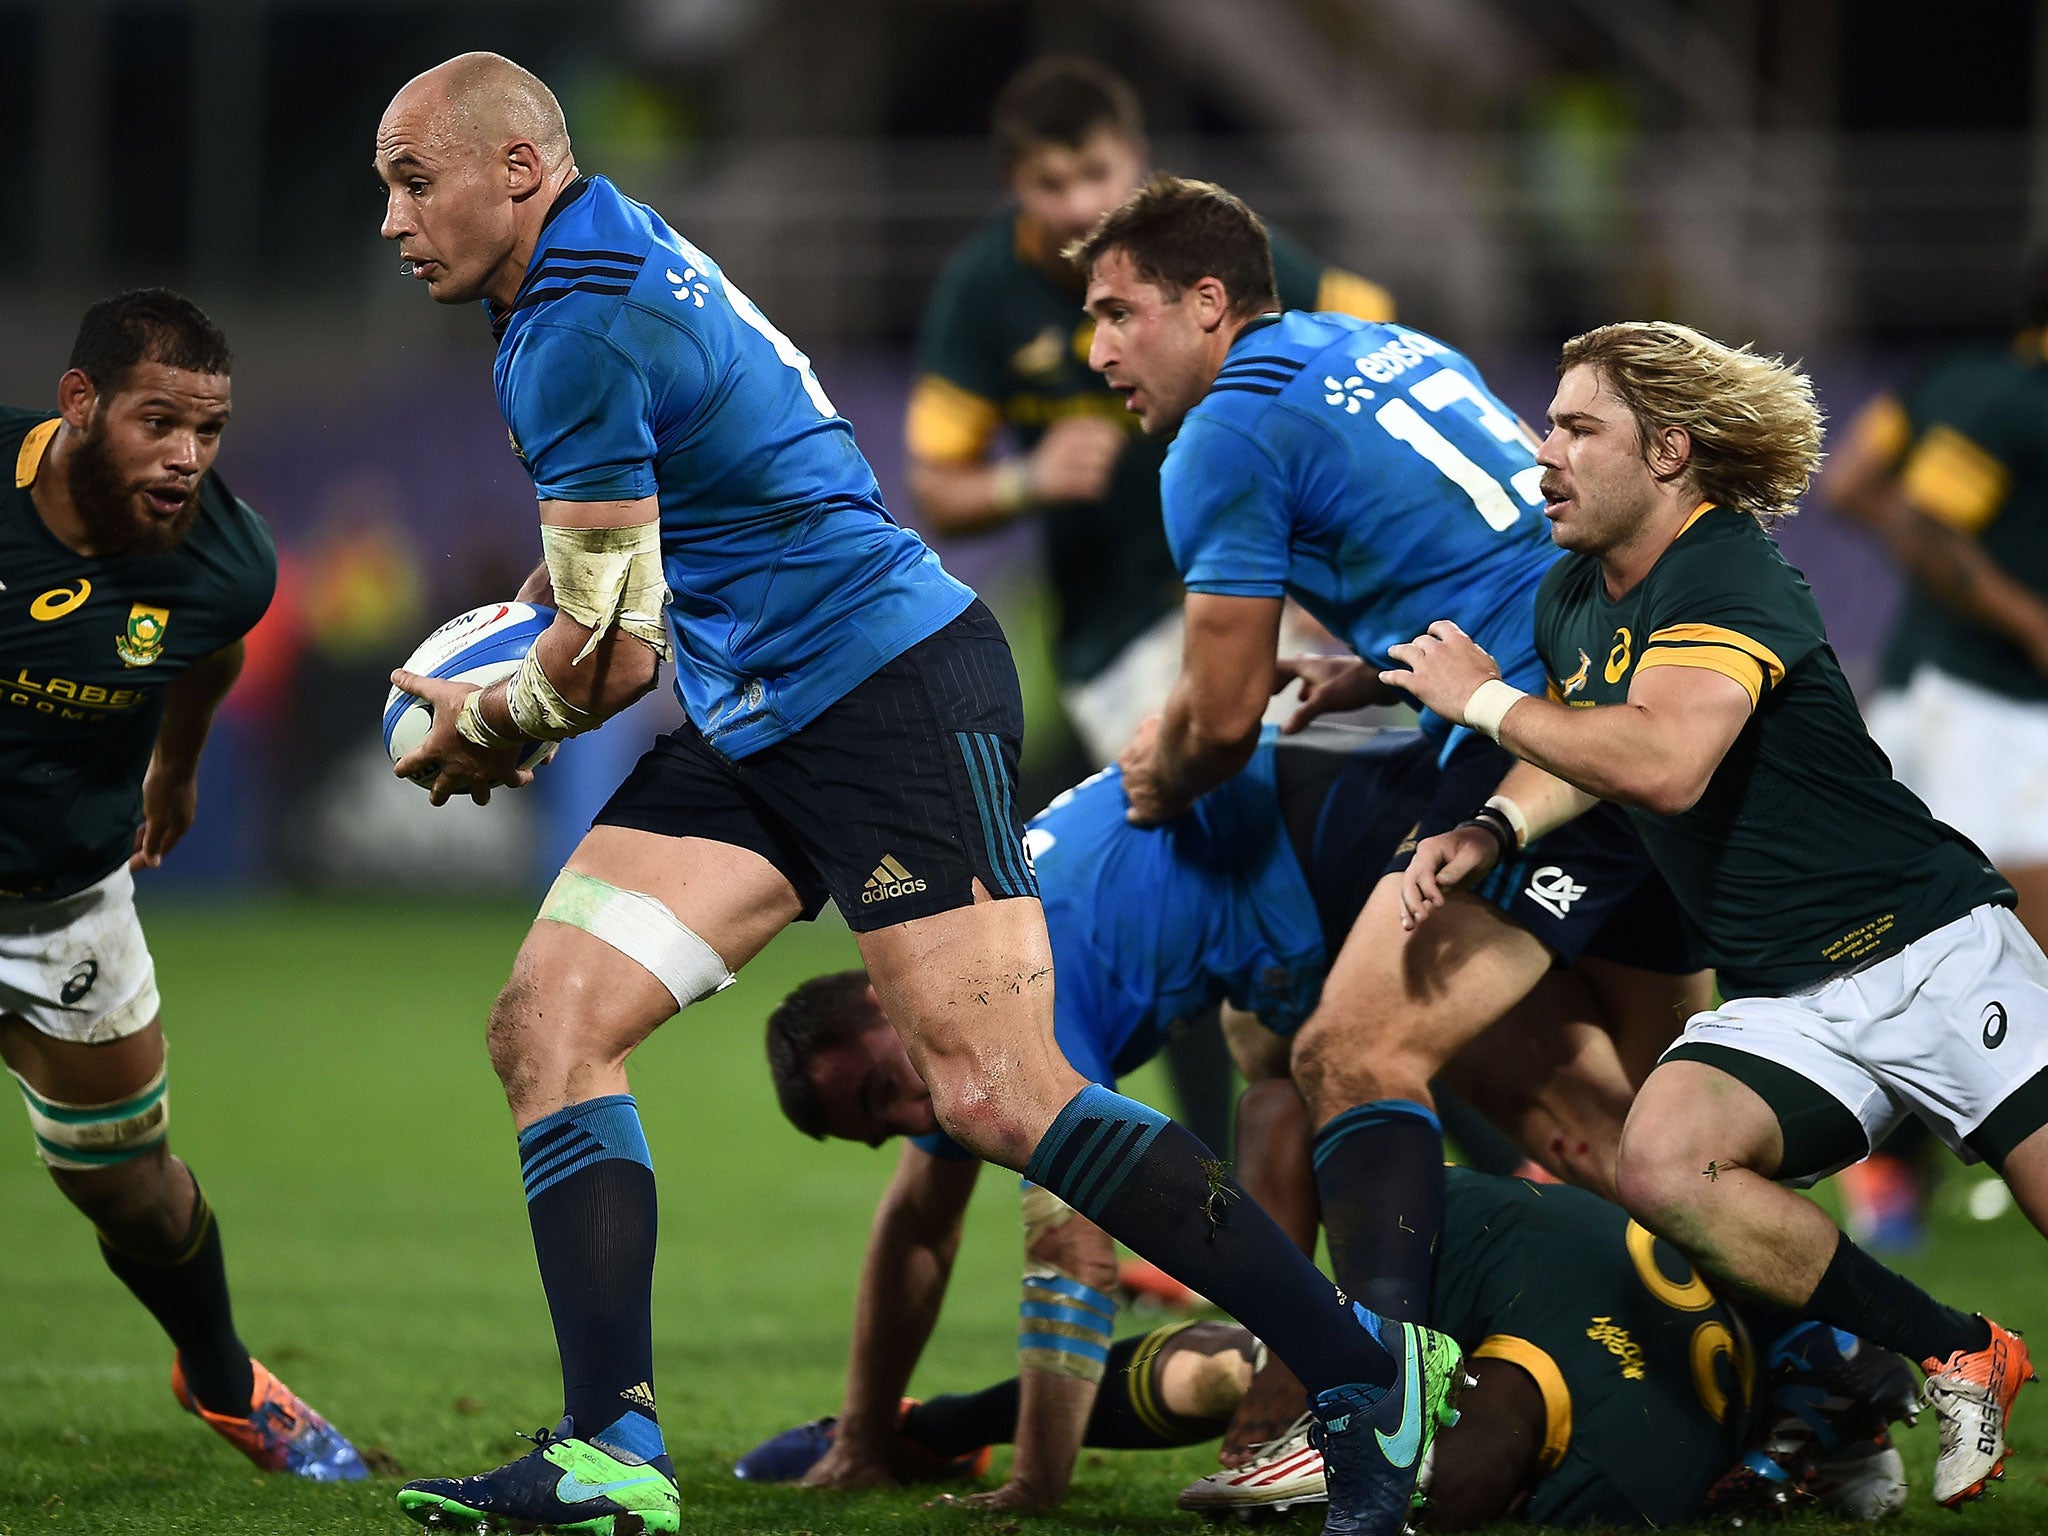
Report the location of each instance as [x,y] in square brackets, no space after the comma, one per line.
[86,1136]
[640,928]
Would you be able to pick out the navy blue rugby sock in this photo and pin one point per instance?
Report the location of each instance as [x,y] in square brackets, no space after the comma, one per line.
[1380,1176]
[590,1197]
[1155,1188]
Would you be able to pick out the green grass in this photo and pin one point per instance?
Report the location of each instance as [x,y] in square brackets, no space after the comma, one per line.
[331,1089]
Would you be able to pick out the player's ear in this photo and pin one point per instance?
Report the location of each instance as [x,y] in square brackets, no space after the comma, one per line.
[525,173]
[1212,302]
[1669,451]
[76,396]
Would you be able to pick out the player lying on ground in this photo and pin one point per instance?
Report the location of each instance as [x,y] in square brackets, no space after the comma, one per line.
[132,575]
[1243,899]
[1872,962]
[1366,471]
[853,734]
[1613,1386]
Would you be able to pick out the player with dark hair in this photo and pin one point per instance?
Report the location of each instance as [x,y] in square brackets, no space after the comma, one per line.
[1613,1387]
[1243,899]
[854,723]
[1871,960]
[1367,472]
[132,576]
[1002,352]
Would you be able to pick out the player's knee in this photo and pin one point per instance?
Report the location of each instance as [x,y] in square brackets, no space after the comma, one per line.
[1657,1174]
[983,1114]
[1337,1067]
[1270,1110]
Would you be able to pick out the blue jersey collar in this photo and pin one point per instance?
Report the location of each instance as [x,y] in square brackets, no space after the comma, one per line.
[1270,318]
[570,194]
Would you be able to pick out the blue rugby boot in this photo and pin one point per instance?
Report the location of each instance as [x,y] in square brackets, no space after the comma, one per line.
[1374,1440]
[618,1483]
[787,1457]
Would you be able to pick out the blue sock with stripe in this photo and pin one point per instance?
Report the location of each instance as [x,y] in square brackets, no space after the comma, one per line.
[590,1198]
[1380,1178]
[1156,1189]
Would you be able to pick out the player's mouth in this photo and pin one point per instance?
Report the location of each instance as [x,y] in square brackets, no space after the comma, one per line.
[1555,500]
[420,267]
[165,501]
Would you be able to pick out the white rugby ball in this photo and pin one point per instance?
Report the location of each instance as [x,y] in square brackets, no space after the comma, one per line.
[480,647]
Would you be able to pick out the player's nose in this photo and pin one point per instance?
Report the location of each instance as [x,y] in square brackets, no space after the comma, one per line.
[395,225]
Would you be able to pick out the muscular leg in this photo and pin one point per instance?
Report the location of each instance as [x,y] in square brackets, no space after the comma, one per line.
[560,1034]
[1546,1073]
[1644,1010]
[1696,1167]
[156,1231]
[970,992]
[1396,1007]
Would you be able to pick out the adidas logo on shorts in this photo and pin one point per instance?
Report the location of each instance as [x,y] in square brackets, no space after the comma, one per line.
[889,879]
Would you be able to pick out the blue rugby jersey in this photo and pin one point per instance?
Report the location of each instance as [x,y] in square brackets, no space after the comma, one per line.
[1366,471]
[1152,925]
[628,366]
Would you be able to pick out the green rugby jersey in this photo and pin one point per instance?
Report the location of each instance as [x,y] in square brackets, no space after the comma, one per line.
[1005,343]
[1646,1375]
[86,649]
[1804,857]
[1973,446]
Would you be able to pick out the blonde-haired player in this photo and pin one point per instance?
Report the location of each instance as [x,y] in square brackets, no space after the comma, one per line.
[1871,961]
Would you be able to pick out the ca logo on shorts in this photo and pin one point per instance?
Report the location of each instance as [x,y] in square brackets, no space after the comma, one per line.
[1994,1026]
[1553,890]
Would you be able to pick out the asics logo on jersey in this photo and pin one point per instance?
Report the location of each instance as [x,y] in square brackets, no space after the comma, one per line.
[58,601]
[1577,680]
[889,879]
[1350,393]
[690,285]
[1400,1448]
[1617,659]
[1553,890]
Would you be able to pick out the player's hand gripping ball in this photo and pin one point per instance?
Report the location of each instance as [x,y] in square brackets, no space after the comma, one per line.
[480,647]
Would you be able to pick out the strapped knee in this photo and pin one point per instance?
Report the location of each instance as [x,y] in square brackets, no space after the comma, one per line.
[80,1137]
[640,928]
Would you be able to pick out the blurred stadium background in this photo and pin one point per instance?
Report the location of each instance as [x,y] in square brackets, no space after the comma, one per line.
[1851,183]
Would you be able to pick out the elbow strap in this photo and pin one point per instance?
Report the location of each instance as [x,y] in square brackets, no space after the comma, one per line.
[609,578]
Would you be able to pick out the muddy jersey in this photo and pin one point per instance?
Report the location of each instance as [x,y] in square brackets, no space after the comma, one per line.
[1804,857]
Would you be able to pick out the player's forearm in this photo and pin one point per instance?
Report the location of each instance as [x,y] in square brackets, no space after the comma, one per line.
[619,670]
[1959,573]
[1618,752]
[960,499]
[1199,744]
[1052,1423]
[1545,801]
[902,1288]
[539,587]
[189,706]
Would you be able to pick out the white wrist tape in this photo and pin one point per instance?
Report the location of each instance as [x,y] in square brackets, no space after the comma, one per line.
[607,578]
[537,709]
[641,928]
[1516,818]
[1489,705]
[473,728]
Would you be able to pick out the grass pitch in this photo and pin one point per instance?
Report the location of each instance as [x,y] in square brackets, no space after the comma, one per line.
[332,1092]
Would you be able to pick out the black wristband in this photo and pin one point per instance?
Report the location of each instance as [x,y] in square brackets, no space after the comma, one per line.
[1488,819]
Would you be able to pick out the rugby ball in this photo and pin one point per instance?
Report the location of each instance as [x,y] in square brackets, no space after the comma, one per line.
[480,647]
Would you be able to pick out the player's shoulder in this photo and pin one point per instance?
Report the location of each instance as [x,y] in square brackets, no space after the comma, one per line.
[602,257]
[15,426]
[986,257]
[1720,546]
[233,534]
[1267,359]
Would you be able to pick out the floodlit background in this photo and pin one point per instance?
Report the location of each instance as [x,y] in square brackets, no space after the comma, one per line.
[1850,183]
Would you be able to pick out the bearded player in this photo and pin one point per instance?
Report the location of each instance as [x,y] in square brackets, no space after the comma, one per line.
[853,734]
[1871,960]
[132,576]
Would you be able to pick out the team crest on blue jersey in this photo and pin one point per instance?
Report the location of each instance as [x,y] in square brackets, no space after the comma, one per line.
[143,641]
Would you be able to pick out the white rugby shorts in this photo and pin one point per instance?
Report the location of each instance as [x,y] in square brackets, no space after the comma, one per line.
[1978,758]
[78,968]
[1947,1029]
